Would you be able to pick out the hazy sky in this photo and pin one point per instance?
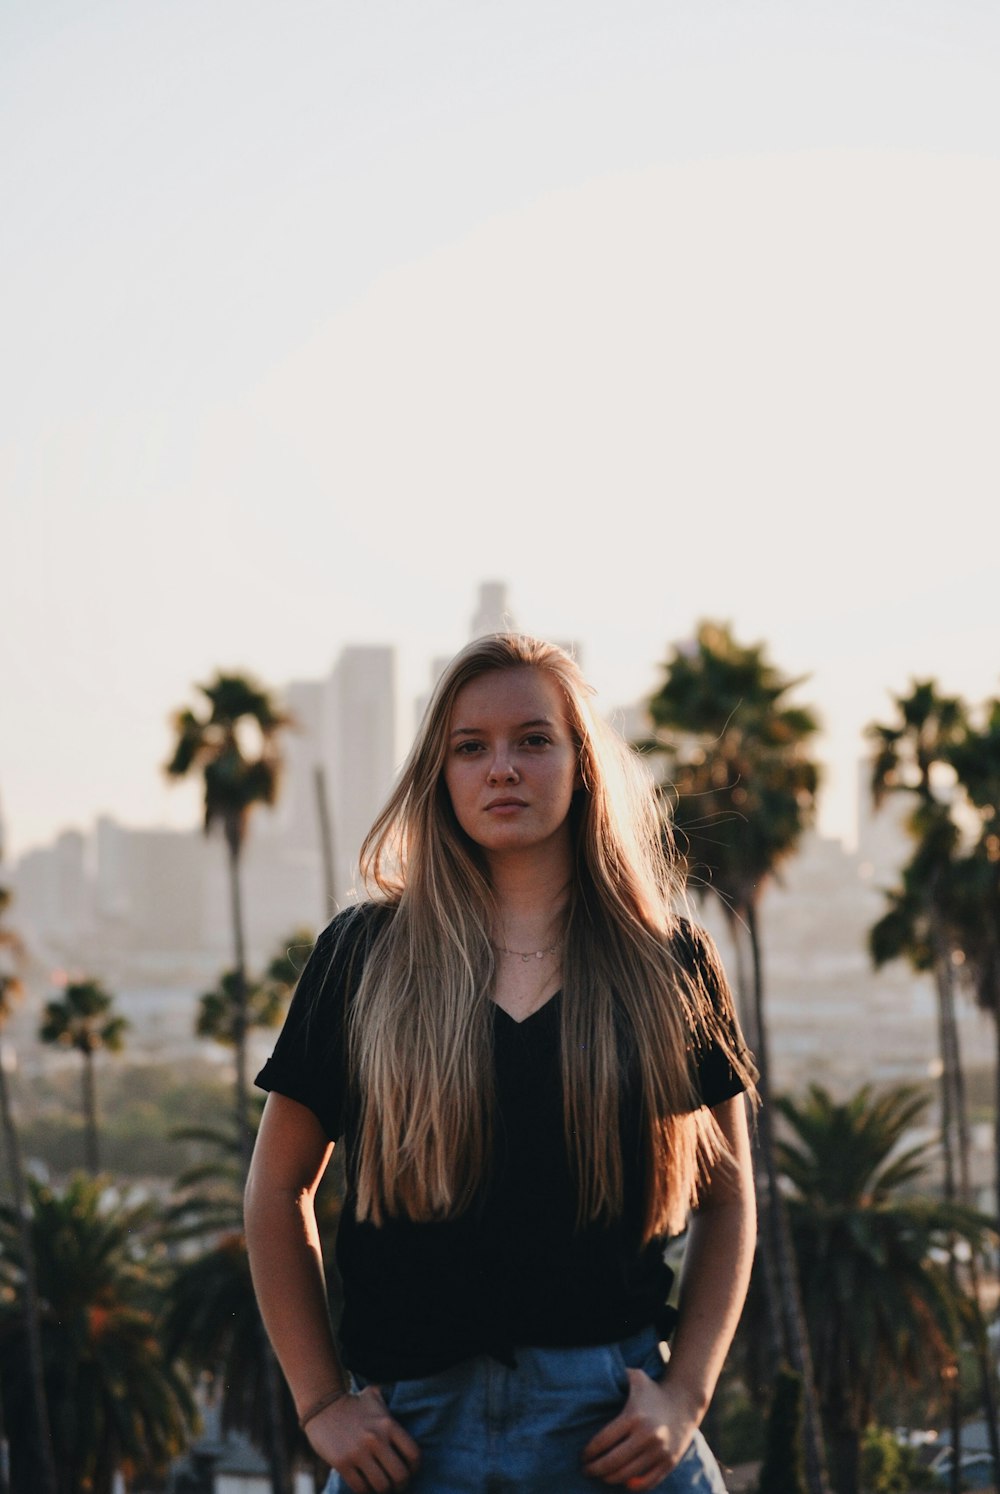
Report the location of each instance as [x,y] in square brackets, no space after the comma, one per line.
[316,315]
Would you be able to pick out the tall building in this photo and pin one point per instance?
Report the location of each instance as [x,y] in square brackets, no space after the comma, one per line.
[54,890]
[295,818]
[492,614]
[359,749]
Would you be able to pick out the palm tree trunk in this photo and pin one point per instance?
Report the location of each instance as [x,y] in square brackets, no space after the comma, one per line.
[845,1434]
[277,1453]
[996,1114]
[766,1255]
[274,1440]
[953,1069]
[32,1315]
[744,985]
[325,840]
[951,1151]
[240,994]
[786,1270]
[90,1112]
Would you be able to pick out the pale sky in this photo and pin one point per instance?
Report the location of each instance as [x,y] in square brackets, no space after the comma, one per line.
[317,315]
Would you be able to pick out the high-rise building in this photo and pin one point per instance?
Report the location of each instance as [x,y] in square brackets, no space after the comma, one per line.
[492,614]
[359,744]
[295,817]
[54,891]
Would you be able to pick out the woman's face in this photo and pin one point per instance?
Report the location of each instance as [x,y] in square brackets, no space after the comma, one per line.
[511,765]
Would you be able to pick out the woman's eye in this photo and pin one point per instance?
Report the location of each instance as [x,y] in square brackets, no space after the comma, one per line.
[466,749]
[536,740]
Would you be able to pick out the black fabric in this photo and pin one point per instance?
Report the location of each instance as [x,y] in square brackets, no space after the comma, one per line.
[514,1269]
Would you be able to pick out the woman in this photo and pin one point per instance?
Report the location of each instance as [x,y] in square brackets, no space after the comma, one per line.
[537,1071]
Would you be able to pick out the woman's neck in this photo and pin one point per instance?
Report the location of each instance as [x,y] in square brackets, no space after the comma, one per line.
[531,895]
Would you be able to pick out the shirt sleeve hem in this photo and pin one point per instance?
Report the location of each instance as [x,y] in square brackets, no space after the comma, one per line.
[275,1079]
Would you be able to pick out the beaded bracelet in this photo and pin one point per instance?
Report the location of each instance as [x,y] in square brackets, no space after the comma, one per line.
[320,1405]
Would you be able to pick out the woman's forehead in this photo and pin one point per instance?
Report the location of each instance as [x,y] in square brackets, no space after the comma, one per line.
[512,696]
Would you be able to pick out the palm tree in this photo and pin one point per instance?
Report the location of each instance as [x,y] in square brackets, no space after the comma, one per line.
[909,756]
[233,1007]
[742,789]
[212,1320]
[11,990]
[118,1402]
[265,1000]
[237,773]
[976,881]
[83,1020]
[881,1306]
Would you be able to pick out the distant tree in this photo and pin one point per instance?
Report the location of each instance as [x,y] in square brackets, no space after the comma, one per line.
[887,1467]
[264,1001]
[741,786]
[83,1019]
[783,1470]
[235,744]
[881,1304]
[118,1403]
[975,906]
[234,1007]
[11,990]
[212,1320]
[929,922]
[911,755]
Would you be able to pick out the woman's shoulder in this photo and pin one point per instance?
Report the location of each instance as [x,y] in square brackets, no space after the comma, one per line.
[693,946]
[338,956]
[695,952]
[356,922]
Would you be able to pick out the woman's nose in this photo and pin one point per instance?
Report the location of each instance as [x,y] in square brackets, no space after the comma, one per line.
[502,770]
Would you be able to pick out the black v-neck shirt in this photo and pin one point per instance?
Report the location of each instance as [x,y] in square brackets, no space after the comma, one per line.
[513,1269]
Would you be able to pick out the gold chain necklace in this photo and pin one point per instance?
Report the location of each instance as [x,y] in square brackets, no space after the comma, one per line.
[531,954]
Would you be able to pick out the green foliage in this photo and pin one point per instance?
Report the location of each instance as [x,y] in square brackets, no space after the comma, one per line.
[221,1012]
[144,1105]
[234,744]
[887,1467]
[783,1470]
[83,1019]
[233,1006]
[905,752]
[743,785]
[211,1319]
[740,1428]
[880,1305]
[948,900]
[116,1400]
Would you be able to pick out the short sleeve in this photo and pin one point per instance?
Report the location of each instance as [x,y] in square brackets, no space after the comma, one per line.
[309,1061]
[716,1078]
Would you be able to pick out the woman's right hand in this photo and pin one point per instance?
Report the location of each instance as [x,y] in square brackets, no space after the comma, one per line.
[360,1441]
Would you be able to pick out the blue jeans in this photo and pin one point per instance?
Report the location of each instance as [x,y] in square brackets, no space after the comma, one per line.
[485,1429]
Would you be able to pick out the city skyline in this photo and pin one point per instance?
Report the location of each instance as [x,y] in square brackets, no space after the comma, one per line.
[315,320]
[177,806]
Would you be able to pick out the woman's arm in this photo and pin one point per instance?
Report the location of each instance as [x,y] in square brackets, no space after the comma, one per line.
[355,1434]
[652,1432]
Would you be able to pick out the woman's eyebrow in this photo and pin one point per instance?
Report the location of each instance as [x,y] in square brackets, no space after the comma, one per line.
[475,731]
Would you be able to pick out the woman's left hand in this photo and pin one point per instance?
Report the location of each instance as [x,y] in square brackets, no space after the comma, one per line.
[648,1437]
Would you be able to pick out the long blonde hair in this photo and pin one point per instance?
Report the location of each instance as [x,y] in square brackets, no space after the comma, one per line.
[420,1026]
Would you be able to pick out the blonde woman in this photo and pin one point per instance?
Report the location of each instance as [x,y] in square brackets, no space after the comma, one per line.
[536,1070]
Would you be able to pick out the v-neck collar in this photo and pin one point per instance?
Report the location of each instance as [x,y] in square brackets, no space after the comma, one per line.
[523,1021]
